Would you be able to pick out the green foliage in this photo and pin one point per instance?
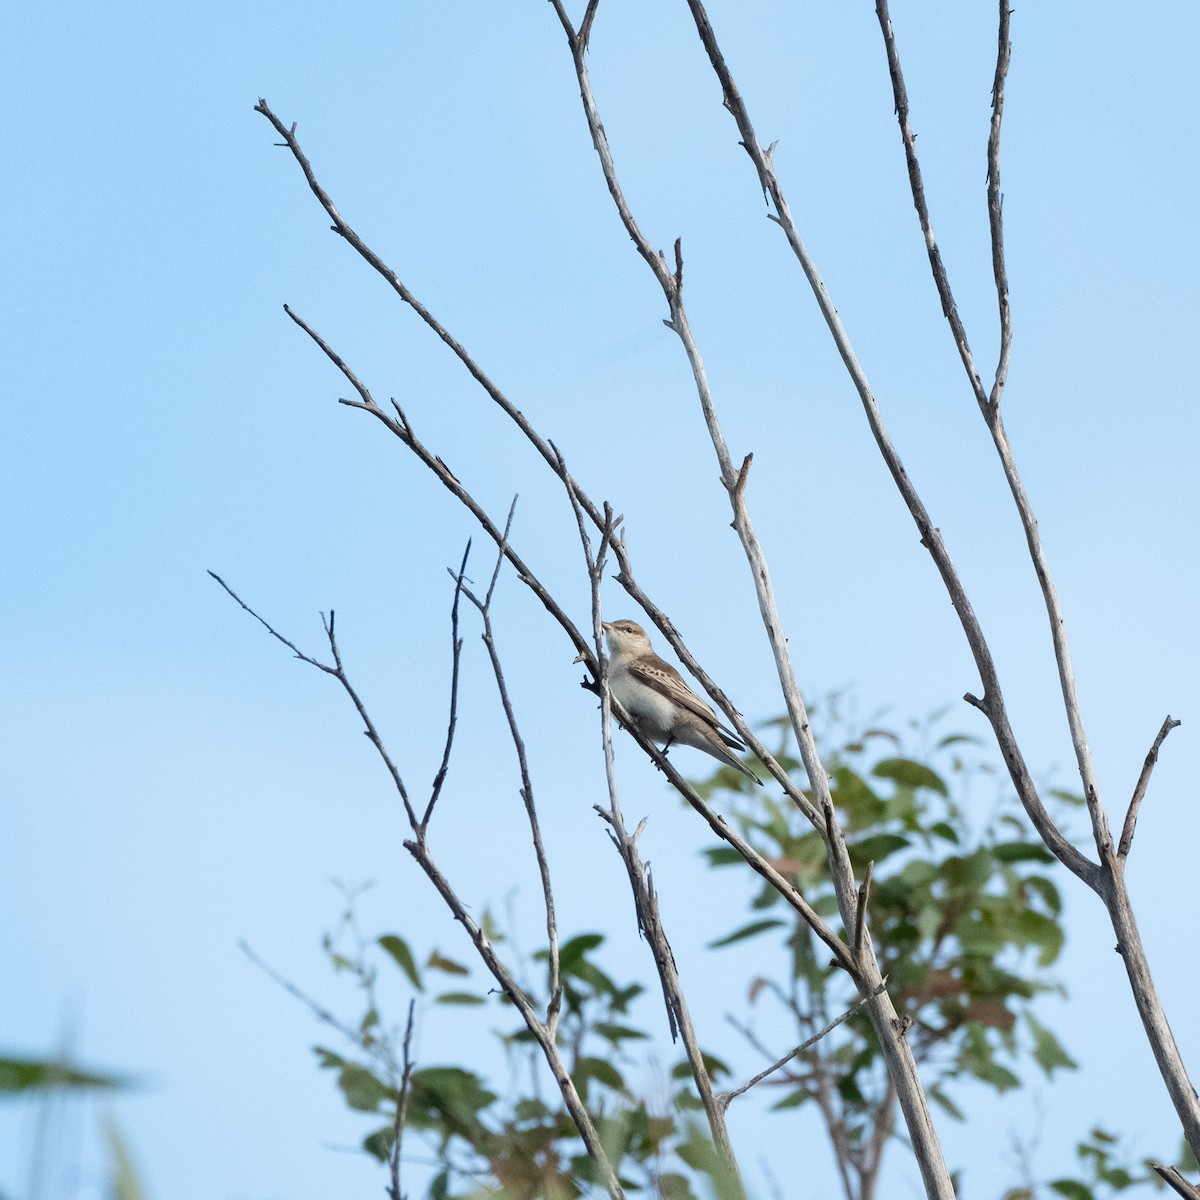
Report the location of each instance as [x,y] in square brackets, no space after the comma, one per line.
[40,1074]
[1106,1168]
[964,921]
[507,1141]
[965,917]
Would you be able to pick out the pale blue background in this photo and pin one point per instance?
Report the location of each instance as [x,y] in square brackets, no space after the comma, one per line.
[172,782]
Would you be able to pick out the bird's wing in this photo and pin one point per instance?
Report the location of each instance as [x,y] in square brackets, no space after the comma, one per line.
[667,681]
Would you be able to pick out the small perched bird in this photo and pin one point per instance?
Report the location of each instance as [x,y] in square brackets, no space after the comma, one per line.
[657,700]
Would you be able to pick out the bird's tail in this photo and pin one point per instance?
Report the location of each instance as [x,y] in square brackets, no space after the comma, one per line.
[724,755]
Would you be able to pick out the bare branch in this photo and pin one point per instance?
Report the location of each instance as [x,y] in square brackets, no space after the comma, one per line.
[419,849]
[727,1098]
[860,913]
[585,26]
[645,899]
[402,1103]
[664,624]
[398,286]
[1139,792]
[990,408]
[541,1032]
[996,205]
[1175,1181]
[917,184]
[402,429]
[368,401]
[1104,876]
[456,655]
[318,1010]
[340,675]
[931,537]
[654,260]
[489,640]
[312,662]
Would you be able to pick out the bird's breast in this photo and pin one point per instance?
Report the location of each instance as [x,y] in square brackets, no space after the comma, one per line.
[653,712]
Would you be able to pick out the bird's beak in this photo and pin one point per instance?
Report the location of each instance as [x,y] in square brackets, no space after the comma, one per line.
[606,625]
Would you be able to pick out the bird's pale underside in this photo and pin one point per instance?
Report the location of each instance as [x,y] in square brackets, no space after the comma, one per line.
[655,697]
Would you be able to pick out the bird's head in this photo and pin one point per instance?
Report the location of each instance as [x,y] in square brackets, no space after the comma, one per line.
[626,638]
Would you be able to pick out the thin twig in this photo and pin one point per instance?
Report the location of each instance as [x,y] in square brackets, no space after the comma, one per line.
[1139,792]
[456,655]
[645,898]
[1175,1181]
[340,675]
[993,700]
[489,640]
[312,662]
[402,429]
[342,227]
[726,1098]
[1103,876]
[860,912]
[318,1010]
[402,1103]
[996,206]
[541,1033]
[917,185]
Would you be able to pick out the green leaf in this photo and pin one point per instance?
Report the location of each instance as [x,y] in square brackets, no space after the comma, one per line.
[397,947]
[439,962]
[31,1074]
[929,921]
[447,1095]
[617,1033]
[746,931]
[939,1097]
[722,856]
[956,739]
[600,1070]
[712,1064]
[1047,1052]
[674,1187]
[576,949]
[1046,891]
[459,998]
[1035,929]
[1072,1189]
[910,773]
[918,873]
[1001,1078]
[1068,798]
[977,937]
[792,1100]
[1022,852]
[379,1144]
[876,847]
[364,1092]
[327,1059]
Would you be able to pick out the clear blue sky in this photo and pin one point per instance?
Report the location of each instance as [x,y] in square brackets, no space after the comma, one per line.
[173,782]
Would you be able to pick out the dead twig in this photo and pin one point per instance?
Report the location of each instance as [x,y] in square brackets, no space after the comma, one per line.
[402,1102]
[1139,792]
[727,1098]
